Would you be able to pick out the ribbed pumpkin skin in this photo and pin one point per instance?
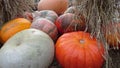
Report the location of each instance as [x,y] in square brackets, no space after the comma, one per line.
[66,23]
[71,9]
[0,38]
[79,50]
[48,14]
[12,27]
[46,26]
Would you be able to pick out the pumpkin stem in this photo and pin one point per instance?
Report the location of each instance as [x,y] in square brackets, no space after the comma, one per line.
[82,41]
[75,27]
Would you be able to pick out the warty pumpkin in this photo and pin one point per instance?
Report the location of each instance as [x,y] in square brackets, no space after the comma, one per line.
[67,23]
[48,14]
[46,26]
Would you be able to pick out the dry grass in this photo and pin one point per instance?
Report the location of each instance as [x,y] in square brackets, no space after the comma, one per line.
[10,9]
[99,14]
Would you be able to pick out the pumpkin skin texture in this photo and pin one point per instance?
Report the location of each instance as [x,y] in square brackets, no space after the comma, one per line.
[0,37]
[59,6]
[12,27]
[46,26]
[0,40]
[66,23]
[48,14]
[79,50]
[71,9]
[30,48]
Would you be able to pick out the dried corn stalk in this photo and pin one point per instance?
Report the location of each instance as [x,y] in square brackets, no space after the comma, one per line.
[10,9]
[100,14]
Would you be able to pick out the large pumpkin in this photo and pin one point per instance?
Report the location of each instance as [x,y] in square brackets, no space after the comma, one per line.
[59,6]
[30,48]
[79,50]
[45,25]
[67,23]
[14,26]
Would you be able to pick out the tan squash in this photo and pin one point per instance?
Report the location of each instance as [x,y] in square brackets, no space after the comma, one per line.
[59,6]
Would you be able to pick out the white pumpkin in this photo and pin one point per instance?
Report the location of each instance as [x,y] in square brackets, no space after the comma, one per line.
[30,48]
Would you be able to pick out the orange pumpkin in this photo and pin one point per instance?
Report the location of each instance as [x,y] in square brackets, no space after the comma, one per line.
[0,40]
[79,50]
[12,27]
[0,37]
[59,6]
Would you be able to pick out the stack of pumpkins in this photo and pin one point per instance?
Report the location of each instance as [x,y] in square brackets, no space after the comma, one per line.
[53,30]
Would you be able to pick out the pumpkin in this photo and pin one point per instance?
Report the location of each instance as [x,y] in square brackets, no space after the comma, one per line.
[0,37]
[79,50]
[0,40]
[71,9]
[12,27]
[112,38]
[48,14]
[59,6]
[66,23]
[47,26]
[30,48]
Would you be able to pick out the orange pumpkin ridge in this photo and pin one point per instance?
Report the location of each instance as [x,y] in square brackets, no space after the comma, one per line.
[12,27]
[71,52]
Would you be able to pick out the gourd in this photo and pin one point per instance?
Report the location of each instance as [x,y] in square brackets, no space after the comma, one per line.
[45,25]
[79,50]
[30,48]
[12,27]
[59,6]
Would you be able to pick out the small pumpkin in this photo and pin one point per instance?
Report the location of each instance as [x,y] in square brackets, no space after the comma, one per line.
[59,6]
[71,9]
[48,14]
[79,50]
[45,25]
[14,26]
[67,23]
